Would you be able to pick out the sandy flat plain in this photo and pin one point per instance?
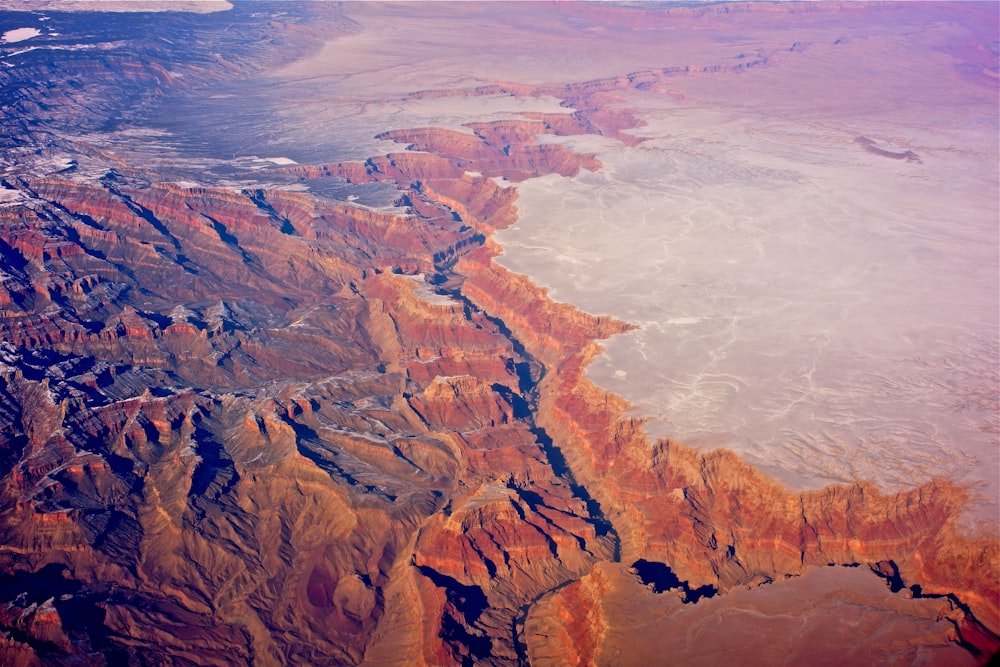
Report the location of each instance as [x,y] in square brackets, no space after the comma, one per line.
[827,312]
[809,294]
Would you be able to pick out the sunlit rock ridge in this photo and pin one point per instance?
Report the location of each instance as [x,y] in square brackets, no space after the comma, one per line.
[270,392]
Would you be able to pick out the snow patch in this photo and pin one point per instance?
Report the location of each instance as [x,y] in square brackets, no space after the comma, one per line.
[19,35]
[426,293]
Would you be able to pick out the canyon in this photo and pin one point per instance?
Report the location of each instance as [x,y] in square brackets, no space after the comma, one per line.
[297,410]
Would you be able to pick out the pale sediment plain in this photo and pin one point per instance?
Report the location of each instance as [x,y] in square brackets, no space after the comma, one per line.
[828,312]
[808,246]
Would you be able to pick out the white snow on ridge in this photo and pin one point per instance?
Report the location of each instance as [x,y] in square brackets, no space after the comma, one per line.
[8,196]
[19,35]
